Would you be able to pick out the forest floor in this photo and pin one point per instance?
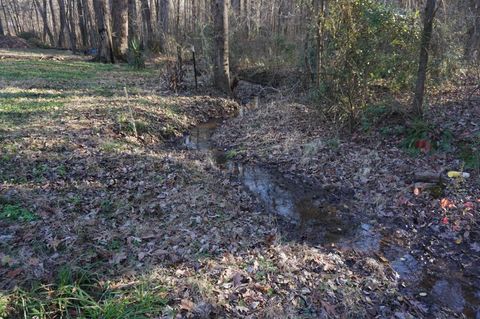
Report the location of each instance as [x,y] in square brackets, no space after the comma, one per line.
[99,222]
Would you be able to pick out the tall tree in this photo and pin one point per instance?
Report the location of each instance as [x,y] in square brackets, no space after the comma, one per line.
[146,22]
[472,48]
[44,14]
[423,61]
[221,65]
[162,17]
[63,23]
[54,18]
[72,30]
[1,26]
[132,21]
[82,23]
[105,49]
[120,29]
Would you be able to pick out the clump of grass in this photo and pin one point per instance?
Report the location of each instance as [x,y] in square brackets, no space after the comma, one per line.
[17,213]
[81,295]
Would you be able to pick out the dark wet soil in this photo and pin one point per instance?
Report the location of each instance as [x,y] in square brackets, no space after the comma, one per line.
[320,215]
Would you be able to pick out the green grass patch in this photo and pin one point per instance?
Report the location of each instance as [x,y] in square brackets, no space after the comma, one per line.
[17,213]
[79,295]
[18,111]
[50,70]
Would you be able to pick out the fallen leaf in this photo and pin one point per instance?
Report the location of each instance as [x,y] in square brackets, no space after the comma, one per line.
[187,305]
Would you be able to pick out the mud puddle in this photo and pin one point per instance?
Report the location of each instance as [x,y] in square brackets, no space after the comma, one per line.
[326,215]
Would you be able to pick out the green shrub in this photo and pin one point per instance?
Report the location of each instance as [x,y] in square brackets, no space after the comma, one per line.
[136,58]
[368,46]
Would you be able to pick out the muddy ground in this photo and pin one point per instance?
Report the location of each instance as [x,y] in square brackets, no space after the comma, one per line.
[265,215]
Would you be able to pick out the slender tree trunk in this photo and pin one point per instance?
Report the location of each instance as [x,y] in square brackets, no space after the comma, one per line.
[132,21]
[423,61]
[63,22]
[146,22]
[2,32]
[54,19]
[72,29]
[4,10]
[105,50]
[163,14]
[43,13]
[472,47]
[82,23]
[221,71]
[120,29]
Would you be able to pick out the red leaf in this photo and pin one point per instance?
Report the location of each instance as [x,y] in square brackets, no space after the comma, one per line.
[445,220]
[423,145]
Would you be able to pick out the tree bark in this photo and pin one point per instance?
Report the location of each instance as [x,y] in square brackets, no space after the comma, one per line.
[54,18]
[120,29]
[472,47]
[82,23]
[423,61]
[63,23]
[2,32]
[146,22]
[221,71]
[43,13]
[132,21]
[105,51]
[72,29]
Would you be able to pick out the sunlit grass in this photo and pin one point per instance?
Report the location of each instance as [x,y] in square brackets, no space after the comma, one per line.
[81,295]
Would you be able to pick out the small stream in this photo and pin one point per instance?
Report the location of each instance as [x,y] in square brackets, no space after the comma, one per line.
[326,216]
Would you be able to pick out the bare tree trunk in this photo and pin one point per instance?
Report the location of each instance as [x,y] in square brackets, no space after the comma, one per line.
[63,23]
[5,16]
[221,71]
[72,29]
[162,16]
[54,19]
[120,29]
[43,13]
[82,22]
[423,62]
[132,21]
[472,47]
[105,51]
[319,6]
[146,22]
[2,32]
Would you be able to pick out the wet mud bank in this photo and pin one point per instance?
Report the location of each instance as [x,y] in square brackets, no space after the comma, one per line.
[327,216]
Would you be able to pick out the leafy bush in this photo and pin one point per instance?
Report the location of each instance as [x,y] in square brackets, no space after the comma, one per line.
[368,46]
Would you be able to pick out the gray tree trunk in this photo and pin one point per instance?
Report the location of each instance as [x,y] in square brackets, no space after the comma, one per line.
[63,23]
[132,21]
[146,22]
[120,29]
[423,61]
[472,47]
[105,50]
[221,65]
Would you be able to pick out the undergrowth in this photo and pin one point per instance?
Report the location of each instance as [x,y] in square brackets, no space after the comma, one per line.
[81,295]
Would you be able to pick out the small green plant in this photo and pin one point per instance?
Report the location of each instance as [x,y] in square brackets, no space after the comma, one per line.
[3,306]
[470,153]
[423,136]
[231,154]
[136,58]
[17,213]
